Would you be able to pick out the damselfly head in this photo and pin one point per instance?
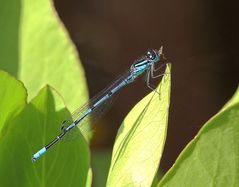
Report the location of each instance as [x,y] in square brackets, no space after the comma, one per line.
[155,55]
[151,54]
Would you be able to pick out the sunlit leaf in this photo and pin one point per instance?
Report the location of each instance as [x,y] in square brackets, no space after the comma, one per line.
[66,164]
[36,48]
[140,139]
[89,178]
[211,158]
[233,100]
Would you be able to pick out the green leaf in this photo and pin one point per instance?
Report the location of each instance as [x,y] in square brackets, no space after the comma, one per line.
[9,35]
[212,157]
[140,139]
[100,162]
[35,47]
[233,100]
[66,164]
[89,178]
[13,97]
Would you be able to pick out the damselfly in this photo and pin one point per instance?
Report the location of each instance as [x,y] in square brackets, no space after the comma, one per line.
[145,64]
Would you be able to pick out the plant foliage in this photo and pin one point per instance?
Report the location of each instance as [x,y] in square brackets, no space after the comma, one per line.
[212,157]
[22,135]
[140,140]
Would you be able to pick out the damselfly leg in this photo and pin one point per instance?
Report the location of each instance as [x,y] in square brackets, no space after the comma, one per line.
[98,104]
[151,74]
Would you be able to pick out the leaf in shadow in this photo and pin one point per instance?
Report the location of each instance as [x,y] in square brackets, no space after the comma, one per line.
[212,157]
[33,128]
[13,97]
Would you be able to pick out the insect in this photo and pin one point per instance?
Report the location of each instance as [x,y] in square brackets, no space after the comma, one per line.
[146,64]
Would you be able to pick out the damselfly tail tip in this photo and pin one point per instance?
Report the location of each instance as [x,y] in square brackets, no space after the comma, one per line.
[34,159]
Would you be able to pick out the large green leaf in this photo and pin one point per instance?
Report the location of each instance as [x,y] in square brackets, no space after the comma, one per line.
[35,47]
[13,97]
[38,123]
[212,157]
[140,139]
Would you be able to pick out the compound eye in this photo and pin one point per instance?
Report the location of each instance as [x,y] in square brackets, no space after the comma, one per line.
[151,54]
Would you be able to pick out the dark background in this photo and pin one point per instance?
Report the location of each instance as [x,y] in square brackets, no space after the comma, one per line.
[200,39]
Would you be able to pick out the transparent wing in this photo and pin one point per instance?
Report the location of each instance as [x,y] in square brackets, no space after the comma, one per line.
[98,112]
